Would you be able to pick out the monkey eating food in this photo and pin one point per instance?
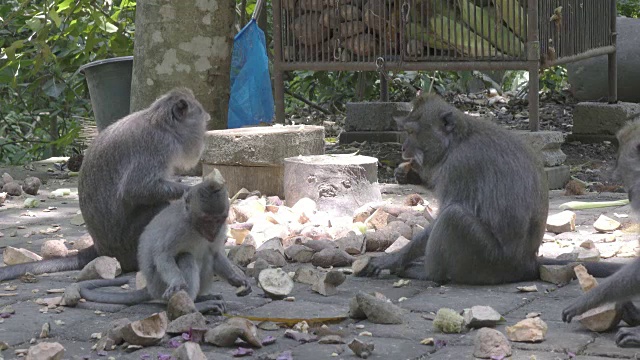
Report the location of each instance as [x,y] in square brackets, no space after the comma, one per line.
[625,283]
[493,197]
[124,180]
[182,248]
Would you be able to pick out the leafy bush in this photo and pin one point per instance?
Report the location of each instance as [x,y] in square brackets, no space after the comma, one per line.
[43,43]
[629,8]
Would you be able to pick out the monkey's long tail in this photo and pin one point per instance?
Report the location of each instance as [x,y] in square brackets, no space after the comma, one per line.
[88,292]
[75,262]
[596,269]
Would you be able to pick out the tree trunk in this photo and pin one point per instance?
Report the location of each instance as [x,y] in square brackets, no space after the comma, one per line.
[184,43]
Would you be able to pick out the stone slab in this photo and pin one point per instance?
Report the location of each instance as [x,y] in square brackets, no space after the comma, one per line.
[589,78]
[374,116]
[347,137]
[602,119]
[557,176]
[262,145]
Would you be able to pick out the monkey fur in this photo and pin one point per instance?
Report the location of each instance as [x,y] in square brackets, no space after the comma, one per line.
[493,197]
[624,284]
[182,248]
[124,179]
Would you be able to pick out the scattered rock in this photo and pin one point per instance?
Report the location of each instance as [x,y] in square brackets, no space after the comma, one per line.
[352,243]
[399,228]
[587,282]
[275,283]
[12,188]
[491,344]
[146,332]
[180,304]
[268,326]
[77,220]
[331,257]
[481,316]
[362,349]
[398,244]
[316,245]
[13,256]
[6,178]
[272,244]
[316,232]
[188,351]
[45,331]
[304,206]
[255,268]
[82,242]
[562,222]
[377,220]
[413,200]
[556,274]
[273,257]
[307,275]
[102,267]
[31,202]
[194,320]
[331,339]
[242,255]
[299,336]
[528,288]
[31,185]
[379,311]
[248,208]
[606,224]
[238,234]
[548,238]
[527,330]
[299,253]
[52,249]
[327,283]
[448,321]
[359,264]
[46,351]
[3,196]
[599,319]
[71,295]
[587,251]
[226,334]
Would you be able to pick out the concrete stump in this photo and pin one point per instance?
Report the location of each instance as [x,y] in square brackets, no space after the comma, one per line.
[596,122]
[374,122]
[253,157]
[338,184]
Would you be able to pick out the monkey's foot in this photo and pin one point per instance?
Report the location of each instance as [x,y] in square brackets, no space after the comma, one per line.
[415,270]
[217,307]
[174,288]
[207,297]
[628,337]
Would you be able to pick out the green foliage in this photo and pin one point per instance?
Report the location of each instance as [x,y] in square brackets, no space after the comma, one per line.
[42,45]
[629,8]
[553,80]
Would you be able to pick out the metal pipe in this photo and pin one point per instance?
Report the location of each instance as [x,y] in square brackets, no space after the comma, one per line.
[278,79]
[384,88]
[533,55]
[408,66]
[605,50]
[612,61]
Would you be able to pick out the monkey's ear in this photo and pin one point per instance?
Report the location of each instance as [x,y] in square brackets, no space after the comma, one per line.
[448,122]
[180,109]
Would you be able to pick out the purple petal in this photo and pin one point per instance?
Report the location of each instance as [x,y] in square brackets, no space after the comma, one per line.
[162,356]
[571,355]
[173,343]
[102,353]
[268,340]
[5,315]
[285,355]
[186,336]
[497,357]
[439,344]
[242,352]
[145,356]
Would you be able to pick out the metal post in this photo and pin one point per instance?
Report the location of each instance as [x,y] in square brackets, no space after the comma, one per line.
[533,59]
[278,79]
[384,88]
[613,63]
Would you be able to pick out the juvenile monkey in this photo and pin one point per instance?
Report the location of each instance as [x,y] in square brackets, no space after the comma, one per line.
[624,284]
[493,198]
[124,180]
[182,248]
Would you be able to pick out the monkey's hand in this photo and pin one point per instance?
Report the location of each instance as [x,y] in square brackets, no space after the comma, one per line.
[628,337]
[376,264]
[242,284]
[405,174]
[174,288]
[571,311]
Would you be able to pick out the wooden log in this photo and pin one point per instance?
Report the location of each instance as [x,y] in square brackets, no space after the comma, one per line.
[338,184]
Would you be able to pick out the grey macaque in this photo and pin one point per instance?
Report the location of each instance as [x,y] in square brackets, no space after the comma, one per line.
[182,248]
[124,180]
[493,198]
[624,284]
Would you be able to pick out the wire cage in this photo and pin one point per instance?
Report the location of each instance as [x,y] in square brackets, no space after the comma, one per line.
[396,35]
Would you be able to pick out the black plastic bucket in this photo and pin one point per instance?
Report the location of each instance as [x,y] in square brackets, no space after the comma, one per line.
[109,84]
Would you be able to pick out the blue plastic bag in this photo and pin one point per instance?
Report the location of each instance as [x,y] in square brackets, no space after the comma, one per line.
[251,100]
